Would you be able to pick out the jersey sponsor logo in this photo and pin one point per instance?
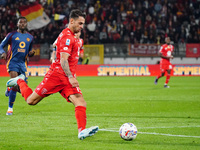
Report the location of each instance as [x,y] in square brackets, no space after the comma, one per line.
[67,41]
[169,53]
[65,48]
[22,44]
[17,38]
[44,90]
[28,39]
[21,50]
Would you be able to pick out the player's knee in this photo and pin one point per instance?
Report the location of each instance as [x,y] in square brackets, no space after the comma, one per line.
[84,103]
[30,103]
[81,102]
[78,100]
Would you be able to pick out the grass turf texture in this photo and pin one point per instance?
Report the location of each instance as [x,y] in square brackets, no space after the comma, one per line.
[161,115]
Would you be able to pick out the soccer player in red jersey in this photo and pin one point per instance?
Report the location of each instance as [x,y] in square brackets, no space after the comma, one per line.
[165,53]
[81,50]
[61,75]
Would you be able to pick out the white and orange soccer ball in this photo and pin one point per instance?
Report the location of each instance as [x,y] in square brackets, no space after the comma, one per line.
[128,131]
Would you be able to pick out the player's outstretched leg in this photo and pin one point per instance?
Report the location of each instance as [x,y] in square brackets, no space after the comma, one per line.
[88,132]
[13,81]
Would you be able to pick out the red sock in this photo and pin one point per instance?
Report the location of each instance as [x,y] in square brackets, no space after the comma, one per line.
[25,90]
[167,78]
[80,114]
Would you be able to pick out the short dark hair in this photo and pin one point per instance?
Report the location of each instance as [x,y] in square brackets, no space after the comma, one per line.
[22,18]
[76,13]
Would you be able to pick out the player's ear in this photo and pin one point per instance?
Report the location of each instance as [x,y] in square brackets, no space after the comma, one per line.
[17,23]
[71,20]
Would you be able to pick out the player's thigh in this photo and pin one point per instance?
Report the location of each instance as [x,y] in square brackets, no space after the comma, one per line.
[48,86]
[77,100]
[13,74]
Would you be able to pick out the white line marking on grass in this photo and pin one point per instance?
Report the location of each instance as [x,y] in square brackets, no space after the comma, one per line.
[153,133]
[169,134]
[170,127]
[108,130]
[163,127]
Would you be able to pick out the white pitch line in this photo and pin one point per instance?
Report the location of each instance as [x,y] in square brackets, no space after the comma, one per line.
[153,133]
[108,130]
[170,127]
[163,127]
[169,134]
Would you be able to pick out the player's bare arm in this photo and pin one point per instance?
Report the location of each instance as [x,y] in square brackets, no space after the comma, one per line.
[65,66]
[53,56]
[166,57]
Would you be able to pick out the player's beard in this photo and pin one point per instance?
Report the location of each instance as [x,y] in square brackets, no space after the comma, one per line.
[23,30]
[75,30]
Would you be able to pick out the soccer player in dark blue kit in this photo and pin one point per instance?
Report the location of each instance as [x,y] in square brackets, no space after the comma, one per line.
[19,48]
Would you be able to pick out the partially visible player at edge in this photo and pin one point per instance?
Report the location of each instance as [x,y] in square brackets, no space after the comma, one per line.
[19,48]
[61,75]
[81,51]
[165,53]
[53,55]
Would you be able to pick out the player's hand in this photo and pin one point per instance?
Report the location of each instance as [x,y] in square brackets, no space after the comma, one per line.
[52,60]
[171,57]
[31,53]
[3,56]
[73,82]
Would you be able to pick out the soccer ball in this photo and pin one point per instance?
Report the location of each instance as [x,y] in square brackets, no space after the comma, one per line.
[128,131]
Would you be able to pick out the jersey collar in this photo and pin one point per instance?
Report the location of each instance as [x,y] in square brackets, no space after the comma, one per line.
[71,32]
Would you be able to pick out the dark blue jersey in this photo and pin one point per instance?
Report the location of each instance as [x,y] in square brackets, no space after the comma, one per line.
[19,45]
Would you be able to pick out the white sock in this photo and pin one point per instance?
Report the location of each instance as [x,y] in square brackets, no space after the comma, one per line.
[10,109]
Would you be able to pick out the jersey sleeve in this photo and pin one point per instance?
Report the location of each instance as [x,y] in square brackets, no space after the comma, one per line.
[6,41]
[55,45]
[66,44]
[82,48]
[31,45]
[55,42]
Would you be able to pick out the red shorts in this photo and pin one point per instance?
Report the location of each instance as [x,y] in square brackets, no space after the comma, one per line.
[54,82]
[165,66]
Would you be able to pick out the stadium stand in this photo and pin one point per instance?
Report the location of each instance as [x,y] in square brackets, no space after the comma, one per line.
[109,21]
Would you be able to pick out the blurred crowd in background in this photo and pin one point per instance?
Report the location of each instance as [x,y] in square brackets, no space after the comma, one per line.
[114,21]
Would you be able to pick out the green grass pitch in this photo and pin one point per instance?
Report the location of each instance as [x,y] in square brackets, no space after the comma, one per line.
[166,118]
